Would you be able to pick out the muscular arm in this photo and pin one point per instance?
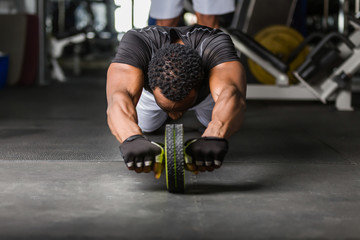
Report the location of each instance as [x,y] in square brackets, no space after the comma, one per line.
[123,89]
[228,89]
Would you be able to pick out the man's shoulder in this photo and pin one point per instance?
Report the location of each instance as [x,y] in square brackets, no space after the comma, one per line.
[183,30]
[149,35]
[198,34]
[149,30]
[197,29]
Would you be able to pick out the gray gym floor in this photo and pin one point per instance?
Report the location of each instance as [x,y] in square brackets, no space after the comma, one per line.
[292,172]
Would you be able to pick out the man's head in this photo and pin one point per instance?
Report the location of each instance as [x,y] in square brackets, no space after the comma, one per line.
[175,74]
[176,70]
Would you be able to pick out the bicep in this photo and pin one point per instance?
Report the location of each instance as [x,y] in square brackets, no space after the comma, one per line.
[227,75]
[124,78]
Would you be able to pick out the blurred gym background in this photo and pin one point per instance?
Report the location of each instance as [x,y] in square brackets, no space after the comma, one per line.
[51,41]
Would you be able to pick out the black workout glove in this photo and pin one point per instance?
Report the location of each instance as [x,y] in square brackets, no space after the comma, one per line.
[142,155]
[206,153]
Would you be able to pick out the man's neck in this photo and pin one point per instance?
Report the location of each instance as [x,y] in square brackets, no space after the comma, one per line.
[179,41]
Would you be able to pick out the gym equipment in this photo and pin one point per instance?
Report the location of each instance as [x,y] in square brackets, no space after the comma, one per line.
[268,68]
[174,158]
[268,61]
[326,71]
[281,41]
[354,37]
[251,16]
[57,46]
[87,25]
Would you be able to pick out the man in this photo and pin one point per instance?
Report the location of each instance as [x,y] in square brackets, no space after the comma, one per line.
[161,72]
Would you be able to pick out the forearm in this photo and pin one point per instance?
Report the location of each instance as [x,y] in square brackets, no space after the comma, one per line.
[122,117]
[227,115]
[123,90]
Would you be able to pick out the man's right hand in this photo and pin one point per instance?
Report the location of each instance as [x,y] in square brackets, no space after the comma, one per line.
[142,155]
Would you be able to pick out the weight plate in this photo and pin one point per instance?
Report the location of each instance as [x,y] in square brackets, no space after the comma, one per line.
[174,158]
[281,41]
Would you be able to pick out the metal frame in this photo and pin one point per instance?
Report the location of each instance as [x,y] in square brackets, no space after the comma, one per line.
[282,90]
[351,66]
[302,91]
[281,78]
[328,87]
[273,92]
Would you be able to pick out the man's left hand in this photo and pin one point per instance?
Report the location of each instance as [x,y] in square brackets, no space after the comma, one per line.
[205,154]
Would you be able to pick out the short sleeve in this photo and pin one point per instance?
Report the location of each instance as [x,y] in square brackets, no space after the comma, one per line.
[133,50]
[218,49]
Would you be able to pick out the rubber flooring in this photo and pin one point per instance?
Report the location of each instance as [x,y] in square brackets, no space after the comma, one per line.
[292,172]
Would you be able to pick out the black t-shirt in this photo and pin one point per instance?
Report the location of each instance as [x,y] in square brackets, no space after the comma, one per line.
[138,46]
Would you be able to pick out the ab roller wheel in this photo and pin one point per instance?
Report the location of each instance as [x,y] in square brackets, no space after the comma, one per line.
[174,158]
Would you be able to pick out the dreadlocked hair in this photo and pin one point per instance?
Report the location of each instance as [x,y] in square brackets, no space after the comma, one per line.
[176,70]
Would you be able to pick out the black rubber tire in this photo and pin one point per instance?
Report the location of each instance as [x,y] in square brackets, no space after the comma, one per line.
[174,158]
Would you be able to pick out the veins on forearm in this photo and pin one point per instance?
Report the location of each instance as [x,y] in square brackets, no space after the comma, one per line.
[227,114]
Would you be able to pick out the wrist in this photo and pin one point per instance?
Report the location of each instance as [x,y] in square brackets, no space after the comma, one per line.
[215,129]
[134,137]
[127,135]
